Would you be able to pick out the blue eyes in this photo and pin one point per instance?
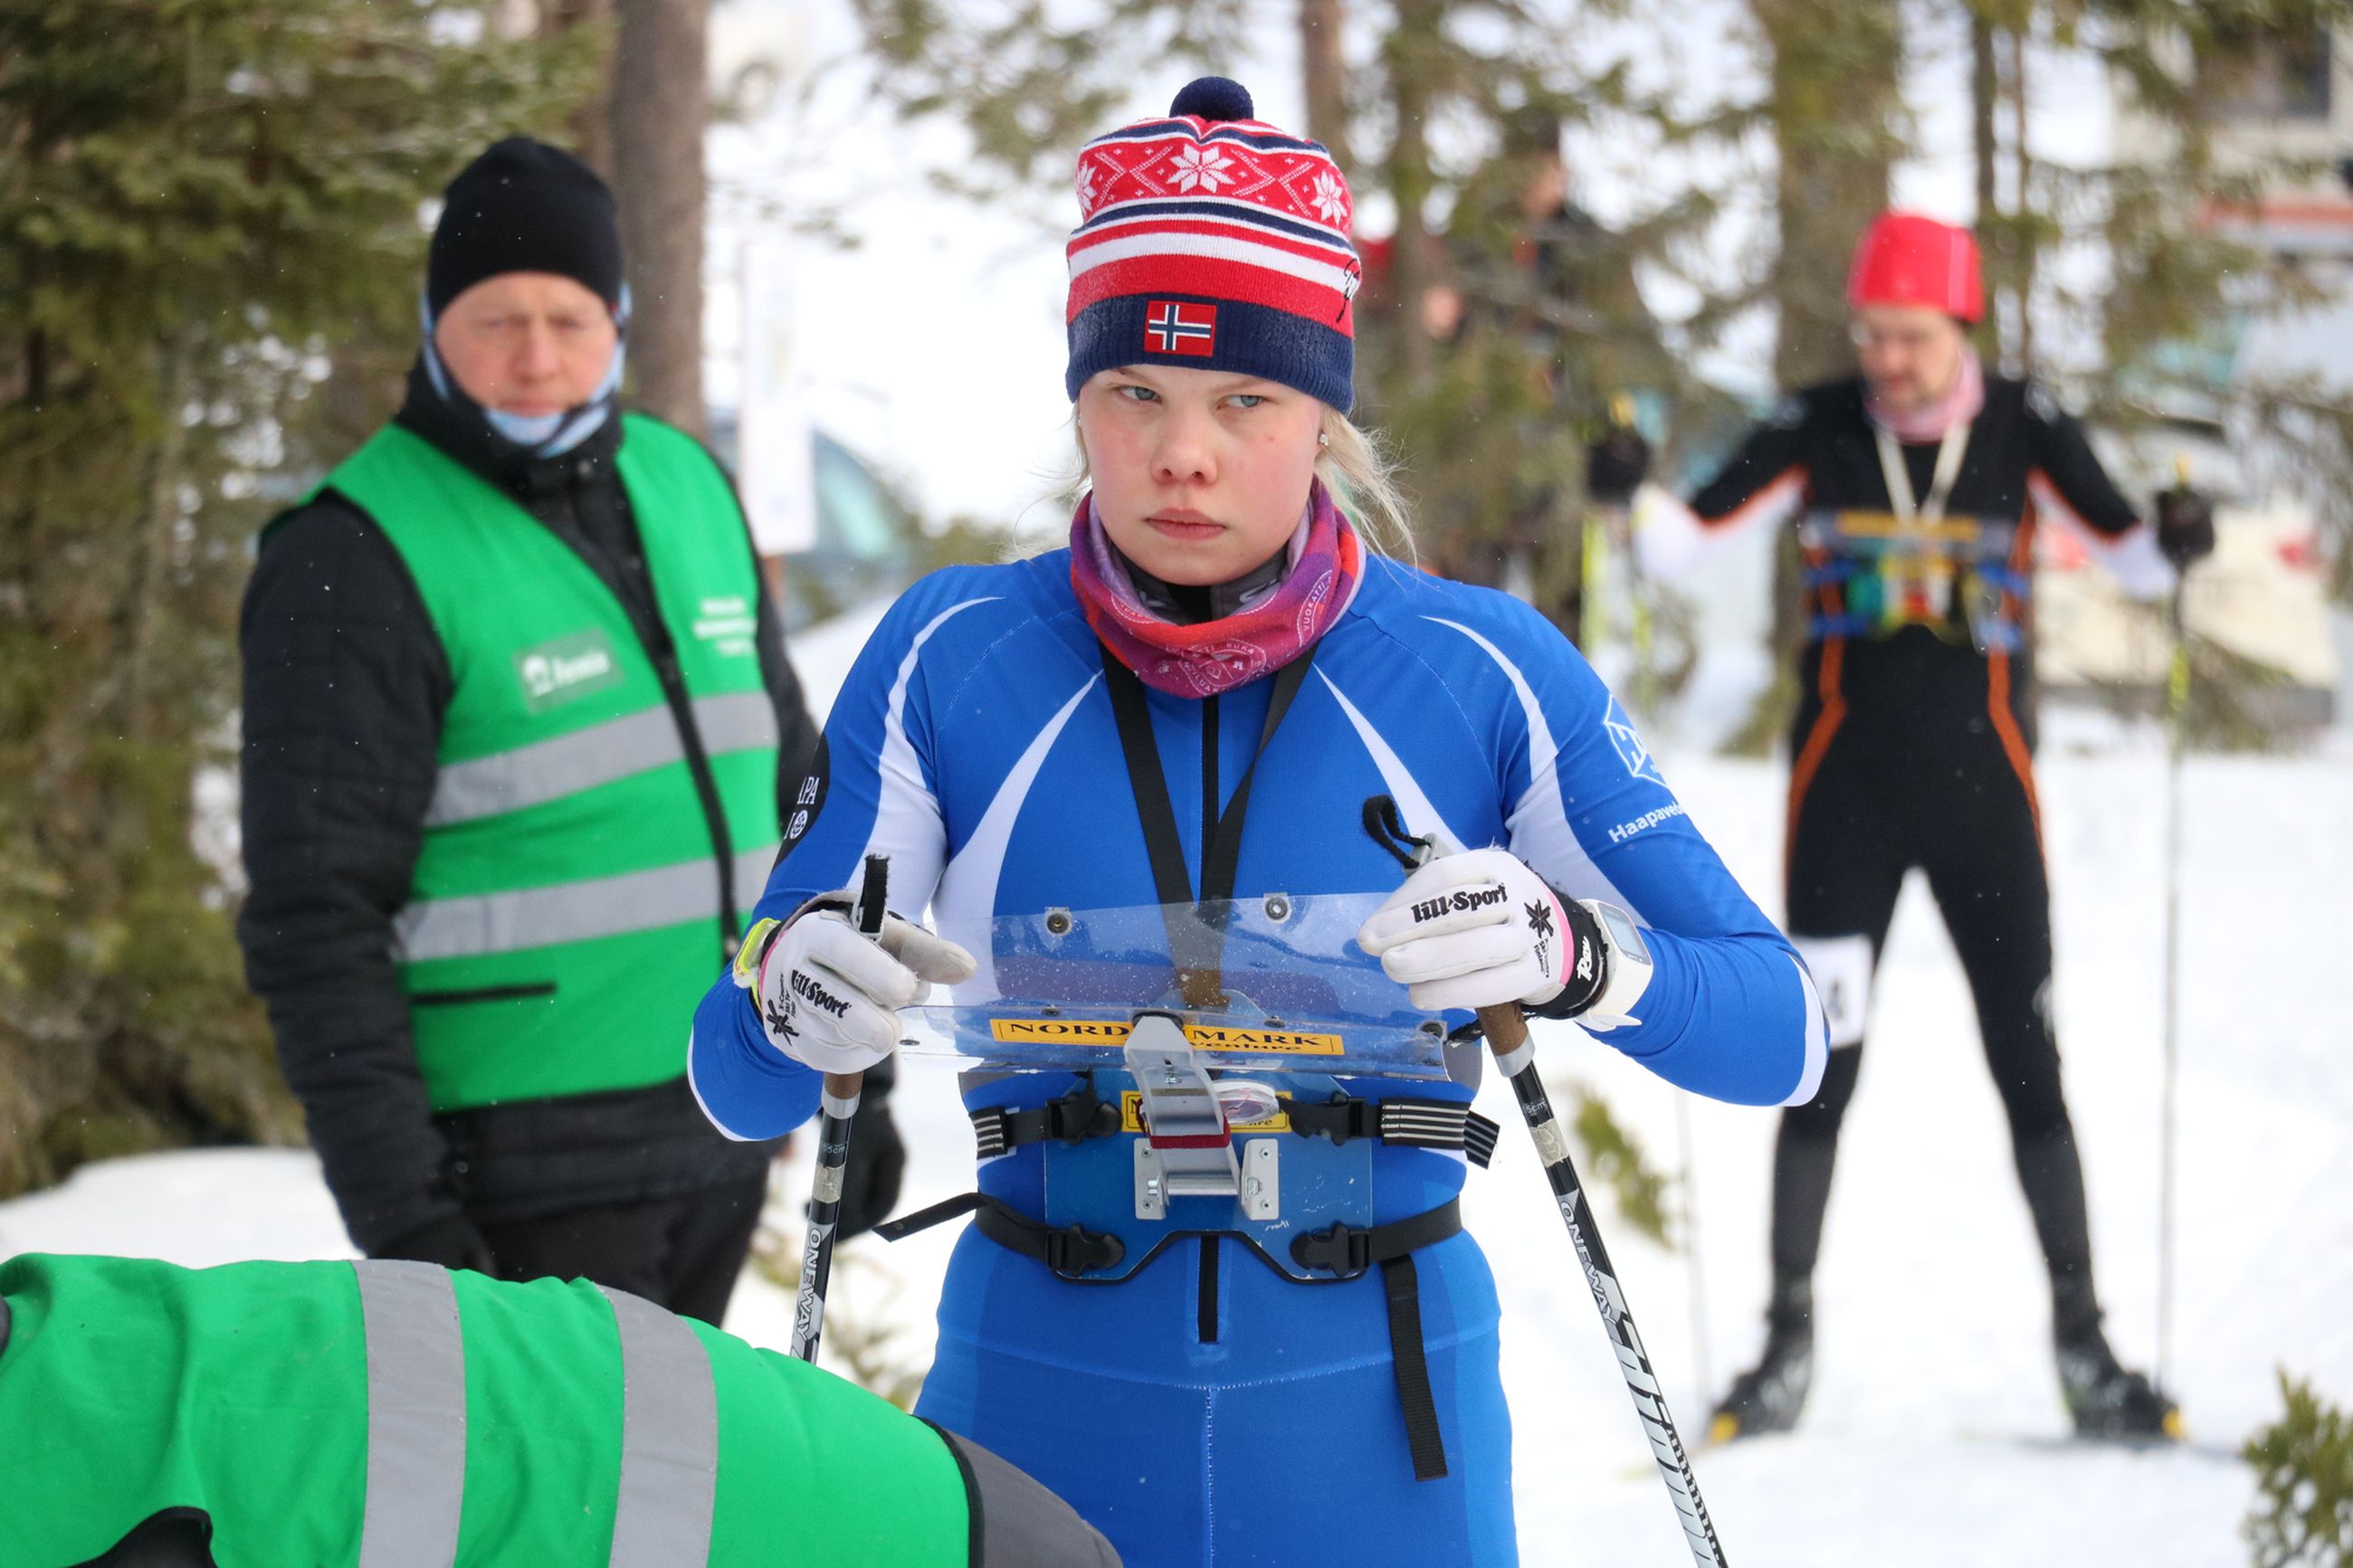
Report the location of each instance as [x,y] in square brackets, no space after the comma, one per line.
[1244,400]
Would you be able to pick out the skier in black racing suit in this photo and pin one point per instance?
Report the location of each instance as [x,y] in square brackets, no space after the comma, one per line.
[1916,490]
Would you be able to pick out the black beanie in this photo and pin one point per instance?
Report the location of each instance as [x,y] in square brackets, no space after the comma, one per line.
[525,206]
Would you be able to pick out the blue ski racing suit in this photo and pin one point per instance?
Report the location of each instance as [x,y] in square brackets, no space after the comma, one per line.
[1208,1401]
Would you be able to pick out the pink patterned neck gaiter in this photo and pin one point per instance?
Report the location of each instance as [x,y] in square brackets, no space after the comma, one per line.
[1201,660]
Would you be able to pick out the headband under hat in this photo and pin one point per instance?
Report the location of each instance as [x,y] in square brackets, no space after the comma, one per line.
[1211,240]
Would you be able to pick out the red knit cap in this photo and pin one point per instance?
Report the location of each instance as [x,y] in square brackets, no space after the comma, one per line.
[1212,240]
[1905,259]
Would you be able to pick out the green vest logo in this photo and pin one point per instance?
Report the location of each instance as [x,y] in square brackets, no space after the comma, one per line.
[570,667]
[728,624]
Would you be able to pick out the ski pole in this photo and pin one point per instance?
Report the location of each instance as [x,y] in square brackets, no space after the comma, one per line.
[1507,1037]
[1507,1028]
[2177,711]
[840,1104]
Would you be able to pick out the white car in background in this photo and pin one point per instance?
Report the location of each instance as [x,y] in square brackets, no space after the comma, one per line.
[2261,598]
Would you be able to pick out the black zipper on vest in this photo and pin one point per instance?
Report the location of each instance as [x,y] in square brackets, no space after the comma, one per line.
[654,639]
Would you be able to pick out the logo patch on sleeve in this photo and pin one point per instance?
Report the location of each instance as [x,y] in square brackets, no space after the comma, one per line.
[1631,752]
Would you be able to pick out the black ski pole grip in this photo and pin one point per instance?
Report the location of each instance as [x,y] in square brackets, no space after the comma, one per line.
[873,892]
[839,1105]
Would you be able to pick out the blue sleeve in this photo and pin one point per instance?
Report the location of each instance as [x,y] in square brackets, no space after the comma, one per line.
[871,791]
[1730,1010]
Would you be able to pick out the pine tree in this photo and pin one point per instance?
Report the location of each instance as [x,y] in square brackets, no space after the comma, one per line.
[202,202]
[2303,1512]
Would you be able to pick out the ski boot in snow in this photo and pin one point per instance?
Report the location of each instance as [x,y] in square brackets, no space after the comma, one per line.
[2107,1402]
[1768,1395]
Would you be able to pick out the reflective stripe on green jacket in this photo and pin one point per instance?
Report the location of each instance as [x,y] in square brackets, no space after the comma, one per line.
[566,909]
[397,1416]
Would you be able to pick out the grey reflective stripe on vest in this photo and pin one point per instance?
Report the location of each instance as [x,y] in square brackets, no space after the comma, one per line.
[617,749]
[417,1416]
[669,1440]
[572,912]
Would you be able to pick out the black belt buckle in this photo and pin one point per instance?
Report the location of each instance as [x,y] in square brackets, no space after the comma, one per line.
[1340,1119]
[1343,1250]
[1074,1250]
[1083,1116]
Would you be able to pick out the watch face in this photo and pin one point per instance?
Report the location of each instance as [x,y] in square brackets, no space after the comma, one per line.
[1623,933]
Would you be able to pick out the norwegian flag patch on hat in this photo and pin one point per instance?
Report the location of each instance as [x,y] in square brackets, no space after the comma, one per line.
[1214,240]
[1171,327]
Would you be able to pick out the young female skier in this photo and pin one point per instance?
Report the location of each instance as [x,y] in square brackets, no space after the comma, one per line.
[1193,702]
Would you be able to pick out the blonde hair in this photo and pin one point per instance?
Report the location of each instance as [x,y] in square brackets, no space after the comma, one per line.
[1360,475]
[1363,478]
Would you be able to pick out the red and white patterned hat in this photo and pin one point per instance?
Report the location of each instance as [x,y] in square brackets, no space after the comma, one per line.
[1212,240]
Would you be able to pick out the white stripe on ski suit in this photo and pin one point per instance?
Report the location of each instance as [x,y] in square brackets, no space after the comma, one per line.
[1539,823]
[907,821]
[966,905]
[1818,1045]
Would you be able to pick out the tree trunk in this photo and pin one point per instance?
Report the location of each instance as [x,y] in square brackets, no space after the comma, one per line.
[1326,78]
[661,103]
[1836,70]
[592,126]
[2023,267]
[1412,48]
[1985,142]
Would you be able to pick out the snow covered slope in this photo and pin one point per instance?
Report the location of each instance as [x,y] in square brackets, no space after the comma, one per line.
[1932,1438]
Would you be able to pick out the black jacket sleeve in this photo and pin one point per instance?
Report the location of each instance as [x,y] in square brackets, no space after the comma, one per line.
[1772,459]
[796,732]
[2057,448]
[345,685]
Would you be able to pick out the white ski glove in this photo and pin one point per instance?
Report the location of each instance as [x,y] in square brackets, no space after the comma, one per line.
[829,995]
[1479,929]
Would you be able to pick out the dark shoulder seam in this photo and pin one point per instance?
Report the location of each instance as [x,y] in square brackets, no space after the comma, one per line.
[976,1524]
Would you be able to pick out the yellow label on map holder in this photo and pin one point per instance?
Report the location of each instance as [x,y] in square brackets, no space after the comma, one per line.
[1202,1036]
[1131,1116]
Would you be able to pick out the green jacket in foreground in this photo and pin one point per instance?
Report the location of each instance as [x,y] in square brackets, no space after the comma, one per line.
[400,1416]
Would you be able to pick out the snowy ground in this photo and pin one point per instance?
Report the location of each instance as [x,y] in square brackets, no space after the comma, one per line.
[1930,1440]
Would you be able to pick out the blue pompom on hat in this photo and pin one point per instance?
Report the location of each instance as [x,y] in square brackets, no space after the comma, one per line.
[1214,98]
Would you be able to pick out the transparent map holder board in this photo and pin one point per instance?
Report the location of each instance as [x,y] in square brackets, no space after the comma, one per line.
[1099,991]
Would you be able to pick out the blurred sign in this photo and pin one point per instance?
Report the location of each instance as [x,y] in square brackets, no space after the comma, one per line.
[772,438]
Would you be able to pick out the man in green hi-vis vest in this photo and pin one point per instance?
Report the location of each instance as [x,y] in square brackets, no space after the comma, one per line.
[519,733]
[396,1414]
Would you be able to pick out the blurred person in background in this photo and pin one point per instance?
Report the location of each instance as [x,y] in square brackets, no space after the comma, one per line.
[1916,488]
[519,738]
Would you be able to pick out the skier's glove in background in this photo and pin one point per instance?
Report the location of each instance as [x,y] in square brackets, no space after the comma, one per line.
[828,995]
[878,1155]
[2185,526]
[452,1242]
[1479,929]
[1616,466]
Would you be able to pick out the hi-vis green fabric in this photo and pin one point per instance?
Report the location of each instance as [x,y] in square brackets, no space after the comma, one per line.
[566,908]
[399,1416]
